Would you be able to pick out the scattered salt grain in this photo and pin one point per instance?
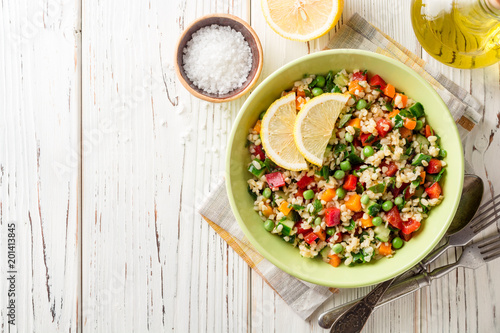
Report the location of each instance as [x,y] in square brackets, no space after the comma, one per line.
[217,59]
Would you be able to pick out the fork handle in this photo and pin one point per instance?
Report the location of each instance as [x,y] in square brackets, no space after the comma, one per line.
[434,255]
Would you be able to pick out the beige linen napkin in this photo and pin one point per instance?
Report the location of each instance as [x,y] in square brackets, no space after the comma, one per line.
[303,297]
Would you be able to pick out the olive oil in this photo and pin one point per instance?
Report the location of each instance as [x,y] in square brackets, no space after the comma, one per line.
[459,33]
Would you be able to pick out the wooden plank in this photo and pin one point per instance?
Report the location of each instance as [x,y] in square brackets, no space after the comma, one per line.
[150,263]
[39,163]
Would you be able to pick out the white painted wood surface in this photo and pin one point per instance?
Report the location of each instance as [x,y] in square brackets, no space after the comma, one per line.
[93,118]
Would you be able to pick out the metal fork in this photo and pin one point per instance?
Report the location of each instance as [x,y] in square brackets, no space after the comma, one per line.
[485,216]
[473,256]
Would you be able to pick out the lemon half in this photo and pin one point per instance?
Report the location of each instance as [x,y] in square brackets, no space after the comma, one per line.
[315,123]
[277,136]
[302,20]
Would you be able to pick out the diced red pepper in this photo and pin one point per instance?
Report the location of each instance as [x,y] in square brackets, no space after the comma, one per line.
[304,182]
[275,179]
[376,80]
[300,193]
[310,237]
[359,76]
[299,228]
[394,218]
[332,216]
[408,193]
[434,191]
[410,226]
[434,166]
[367,139]
[392,168]
[405,237]
[259,152]
[397,191]
[340,237]
[358,215]
[428,131]
[357,143]
[350,183]
[383,127]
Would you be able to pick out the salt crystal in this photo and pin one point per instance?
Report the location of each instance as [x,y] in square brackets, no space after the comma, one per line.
[217,59]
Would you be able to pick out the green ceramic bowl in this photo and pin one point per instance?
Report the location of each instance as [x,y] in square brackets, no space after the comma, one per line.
[286,256]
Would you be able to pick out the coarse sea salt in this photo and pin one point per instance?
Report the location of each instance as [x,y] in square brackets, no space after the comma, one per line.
[217,59]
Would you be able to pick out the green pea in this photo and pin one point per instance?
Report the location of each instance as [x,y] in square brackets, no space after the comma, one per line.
[365,199]
[330,231]
[419,125]
[345,165]
[361,104]
[320,81]
[269,225]
[317,221]
[341,193]
[387,206]
[368,151]
[398,201]
[267,193]
[339,174]
[308,195]
[397,242]
[317,91]
[337,248]
[377,221]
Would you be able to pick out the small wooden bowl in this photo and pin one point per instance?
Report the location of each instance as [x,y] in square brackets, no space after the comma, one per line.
[250,36]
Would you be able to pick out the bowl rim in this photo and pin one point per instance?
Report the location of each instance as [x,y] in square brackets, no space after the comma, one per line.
[273,258]
[231,97]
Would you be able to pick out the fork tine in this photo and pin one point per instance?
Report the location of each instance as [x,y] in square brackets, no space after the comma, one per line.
[485,222]
[484,209]
[486,241]
[489,246]
[491,256]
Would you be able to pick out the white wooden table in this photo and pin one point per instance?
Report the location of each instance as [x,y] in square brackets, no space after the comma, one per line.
[104,158]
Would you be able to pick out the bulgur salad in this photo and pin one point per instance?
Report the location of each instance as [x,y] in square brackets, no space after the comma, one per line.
[379,178]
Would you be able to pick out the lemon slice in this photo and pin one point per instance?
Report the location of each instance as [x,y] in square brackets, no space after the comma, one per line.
[315,123]
[277,134]
[302,20]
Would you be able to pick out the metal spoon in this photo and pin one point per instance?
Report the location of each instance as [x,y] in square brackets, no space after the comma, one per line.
[469,203]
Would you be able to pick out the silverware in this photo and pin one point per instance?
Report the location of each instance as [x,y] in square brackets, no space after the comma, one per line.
[471,197]
[473,256]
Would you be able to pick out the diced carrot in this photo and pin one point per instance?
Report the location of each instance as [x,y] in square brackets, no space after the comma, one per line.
[353,86]
[301,93]
[393,114]
[405,133]
[328,195]
[354,203]
[256,127]
[428,131]
[366,223]
[385,249]
[299,103]
[422,175]
[284,208]
[404,100]
[334,260]
[267,210]
[410,123]
[356,122]
[390,91]
[321,234]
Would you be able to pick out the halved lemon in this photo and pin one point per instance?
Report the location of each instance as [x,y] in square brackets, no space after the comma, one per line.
[315,123]
[302,20]
[277,134]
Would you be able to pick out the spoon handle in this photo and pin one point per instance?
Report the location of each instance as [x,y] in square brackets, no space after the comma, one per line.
[356,316]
